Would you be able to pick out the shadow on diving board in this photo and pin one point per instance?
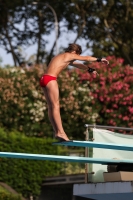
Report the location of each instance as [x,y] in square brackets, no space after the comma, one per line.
[63,158]
[96,145]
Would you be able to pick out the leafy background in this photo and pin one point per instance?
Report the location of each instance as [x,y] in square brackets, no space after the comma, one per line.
[106,99]
[106,27]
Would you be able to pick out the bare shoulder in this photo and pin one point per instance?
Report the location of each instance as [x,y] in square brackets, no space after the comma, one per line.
[65,56]
[70,57]
[73,56]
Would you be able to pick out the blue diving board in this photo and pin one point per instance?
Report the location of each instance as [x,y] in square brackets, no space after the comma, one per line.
[96,145]
[63,158]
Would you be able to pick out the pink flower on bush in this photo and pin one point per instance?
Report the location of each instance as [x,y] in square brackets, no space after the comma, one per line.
[115,106]
[120,116]
[107,111]
[124,103]
[130,109]
[111,122]
[112,92]
[95,96]
[126,118]
[120,95]
[102,83]
[101,98]
[120,60]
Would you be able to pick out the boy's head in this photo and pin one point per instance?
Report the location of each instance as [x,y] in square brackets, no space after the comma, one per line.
[74,47]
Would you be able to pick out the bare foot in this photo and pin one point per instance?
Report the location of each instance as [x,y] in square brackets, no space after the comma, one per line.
[62,137]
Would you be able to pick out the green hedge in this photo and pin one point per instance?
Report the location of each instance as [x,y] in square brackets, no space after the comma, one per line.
[26,176]
[24,108]
[4,196]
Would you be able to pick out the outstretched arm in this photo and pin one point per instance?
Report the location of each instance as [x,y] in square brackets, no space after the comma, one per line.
[84,67]
[79,65]
[73,57]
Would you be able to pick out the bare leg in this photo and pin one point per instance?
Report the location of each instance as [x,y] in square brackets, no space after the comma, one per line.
[49,111]
[51,93]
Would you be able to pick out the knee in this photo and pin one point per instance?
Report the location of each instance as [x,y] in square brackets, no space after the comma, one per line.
[54,105]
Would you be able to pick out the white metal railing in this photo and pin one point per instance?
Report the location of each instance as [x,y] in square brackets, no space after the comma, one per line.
[87,126]
[108,127]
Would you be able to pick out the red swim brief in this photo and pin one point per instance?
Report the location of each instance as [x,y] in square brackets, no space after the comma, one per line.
[45,79]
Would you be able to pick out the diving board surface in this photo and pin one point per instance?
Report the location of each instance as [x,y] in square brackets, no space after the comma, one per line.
[96,145]
[64,158]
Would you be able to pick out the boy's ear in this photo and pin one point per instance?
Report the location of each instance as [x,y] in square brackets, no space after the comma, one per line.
[73,51]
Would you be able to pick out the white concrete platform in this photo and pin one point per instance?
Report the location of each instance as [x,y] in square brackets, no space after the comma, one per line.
[105,191]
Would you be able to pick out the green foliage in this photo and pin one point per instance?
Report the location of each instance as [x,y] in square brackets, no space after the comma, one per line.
[26,176]
[112,29]
[107,24]
[76,104]
[106,99]
[5,196]
[22,102]
[83,99]
[24,107]
[113,93]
